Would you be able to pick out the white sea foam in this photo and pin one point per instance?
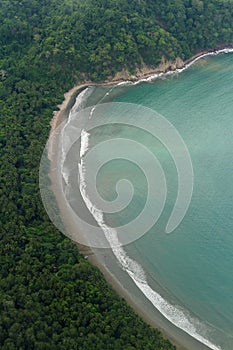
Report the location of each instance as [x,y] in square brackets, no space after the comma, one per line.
[65,141]
[180,318]
[176,71]
[175,314]
[84,143]
[101,100]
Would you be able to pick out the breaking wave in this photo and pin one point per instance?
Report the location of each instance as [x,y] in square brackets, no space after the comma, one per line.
[174,313]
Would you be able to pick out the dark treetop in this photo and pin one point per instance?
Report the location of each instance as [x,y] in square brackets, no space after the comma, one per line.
[50,297]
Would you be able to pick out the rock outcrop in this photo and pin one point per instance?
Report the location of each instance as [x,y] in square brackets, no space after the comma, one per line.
[146,71]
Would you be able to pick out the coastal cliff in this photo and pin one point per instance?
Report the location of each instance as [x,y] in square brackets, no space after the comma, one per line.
[50,297]
[145,70]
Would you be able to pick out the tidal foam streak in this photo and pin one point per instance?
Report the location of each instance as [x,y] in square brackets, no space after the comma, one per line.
[65,139]
[84,143]
[180,318]
[176,71]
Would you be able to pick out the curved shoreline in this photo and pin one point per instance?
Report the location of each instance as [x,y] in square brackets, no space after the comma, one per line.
[101,262]
[70,96]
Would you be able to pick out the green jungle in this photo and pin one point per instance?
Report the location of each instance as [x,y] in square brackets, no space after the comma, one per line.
[50,296]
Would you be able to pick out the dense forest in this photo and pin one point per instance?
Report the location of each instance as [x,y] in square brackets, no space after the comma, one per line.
[50,296]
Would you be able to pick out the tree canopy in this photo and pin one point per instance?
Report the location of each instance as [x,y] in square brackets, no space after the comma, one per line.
[50,297]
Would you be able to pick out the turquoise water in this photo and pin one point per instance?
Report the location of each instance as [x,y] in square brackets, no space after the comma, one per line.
[193,265]
[195,262]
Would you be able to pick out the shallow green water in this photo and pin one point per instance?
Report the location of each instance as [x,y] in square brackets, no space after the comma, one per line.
[194,264]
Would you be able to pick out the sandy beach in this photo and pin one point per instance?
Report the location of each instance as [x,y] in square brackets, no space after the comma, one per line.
[104,259]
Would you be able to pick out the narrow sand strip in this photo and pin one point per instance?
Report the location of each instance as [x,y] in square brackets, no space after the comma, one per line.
[105,260]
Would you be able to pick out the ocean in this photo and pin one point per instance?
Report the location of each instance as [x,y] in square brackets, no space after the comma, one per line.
[186,272]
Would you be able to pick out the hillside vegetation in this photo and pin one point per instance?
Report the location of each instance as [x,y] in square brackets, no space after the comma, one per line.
[50,297]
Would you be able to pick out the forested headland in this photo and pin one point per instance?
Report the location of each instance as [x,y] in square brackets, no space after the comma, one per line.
[50,296]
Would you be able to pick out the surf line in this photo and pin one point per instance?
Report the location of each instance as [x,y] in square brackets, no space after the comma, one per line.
[175,315]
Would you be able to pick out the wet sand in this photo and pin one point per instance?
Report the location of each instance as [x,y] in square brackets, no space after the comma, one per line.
[104,259]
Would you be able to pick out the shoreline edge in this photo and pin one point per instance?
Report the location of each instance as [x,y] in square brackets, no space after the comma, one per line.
[61,115]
